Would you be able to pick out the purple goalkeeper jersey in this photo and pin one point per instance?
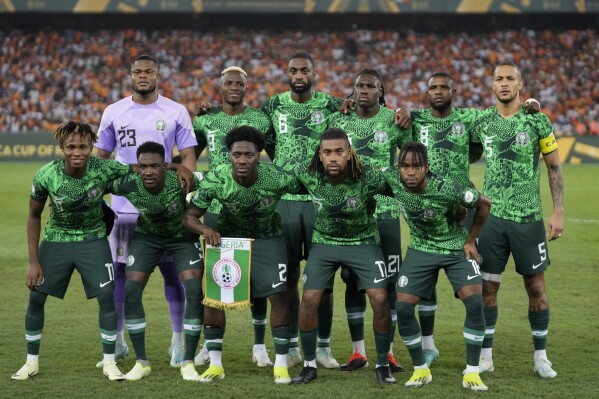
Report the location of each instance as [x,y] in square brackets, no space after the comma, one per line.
[126,125]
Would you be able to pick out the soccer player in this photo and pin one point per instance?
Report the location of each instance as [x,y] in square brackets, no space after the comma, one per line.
[299,116]
[248,192]
[126,124]
[512,141]
[74,238]
[375,138]
[437,241]
[344,234]
[211,129]
[156,194]
[446,132]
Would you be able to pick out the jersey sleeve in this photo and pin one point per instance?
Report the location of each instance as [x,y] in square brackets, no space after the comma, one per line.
[465,196]
[114,169]
[206,191]
[123,185]
[199,130]
[183,134]
[39,190]
[106,133]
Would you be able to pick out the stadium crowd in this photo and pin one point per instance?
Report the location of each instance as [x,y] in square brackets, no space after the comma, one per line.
[52,76]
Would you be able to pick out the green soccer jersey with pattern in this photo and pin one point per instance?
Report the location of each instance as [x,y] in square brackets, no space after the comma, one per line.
[212,128]
[75,211]
[447,140]
[247,212]
[297,128]
[344,212]
[376,141]
[512,151]
[431,212]
[159,214]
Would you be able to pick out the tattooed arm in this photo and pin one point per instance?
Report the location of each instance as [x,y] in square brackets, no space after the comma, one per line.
[556,184]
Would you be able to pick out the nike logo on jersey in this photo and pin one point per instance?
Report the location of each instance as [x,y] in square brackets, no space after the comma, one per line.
[378,280]
[471,277]
[193,262]
[126,126]
[102,285]
[275,285]
[536,266]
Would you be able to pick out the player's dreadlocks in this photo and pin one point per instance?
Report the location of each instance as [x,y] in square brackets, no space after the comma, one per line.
[418,151]
[375,74]
[354,166]
[83,129]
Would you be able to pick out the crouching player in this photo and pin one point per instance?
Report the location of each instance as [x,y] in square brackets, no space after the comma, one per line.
[160,200]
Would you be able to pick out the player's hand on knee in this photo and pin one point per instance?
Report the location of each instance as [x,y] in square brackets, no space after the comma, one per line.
[461,213]
[34,276]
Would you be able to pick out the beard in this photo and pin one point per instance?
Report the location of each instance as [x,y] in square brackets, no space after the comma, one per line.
[301,90]
[144,92]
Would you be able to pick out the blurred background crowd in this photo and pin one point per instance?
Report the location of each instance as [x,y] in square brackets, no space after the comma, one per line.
[49,76]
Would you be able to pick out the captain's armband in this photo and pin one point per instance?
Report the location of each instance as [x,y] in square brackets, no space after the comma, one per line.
[548,144]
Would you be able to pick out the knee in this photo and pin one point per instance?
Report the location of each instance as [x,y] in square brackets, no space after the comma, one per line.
[404,310]
[536,289]
[106,301]
[473,304]
[37,299]
[193,289]
[133,291]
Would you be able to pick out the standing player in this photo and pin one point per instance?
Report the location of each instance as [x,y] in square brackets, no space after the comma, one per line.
[344,234]
[512,141]
[157,195]
[375,138]
[299,116]
[126,124]
[428,204]
[74,238]
[447,134]
[211,129]
[248,192]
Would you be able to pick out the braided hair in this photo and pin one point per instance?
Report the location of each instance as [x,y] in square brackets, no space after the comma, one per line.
[83,129]
[418,151]
[354,165]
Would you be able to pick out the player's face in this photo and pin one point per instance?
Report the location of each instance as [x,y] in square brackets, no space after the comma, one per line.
[144,75]
[367,91]
[334,155]
[76,150]
[151,169]
[412,172]
[233,87]
[440,92]
[300,73]
[244,158]
[506,83]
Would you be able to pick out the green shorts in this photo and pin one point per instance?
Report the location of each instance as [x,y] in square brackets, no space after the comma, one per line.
[390,234]
[525,241]
[91,258]
[420,272]
[146,250]
[268,274]
[366,261]
[297,219]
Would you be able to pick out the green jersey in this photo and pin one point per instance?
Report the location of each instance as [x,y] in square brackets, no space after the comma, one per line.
[512,162]
[344,212]
[247,212]
[447,140]
[376,141]
[212,128]
[159,214]
[431,212]
[297,128]
[75,211]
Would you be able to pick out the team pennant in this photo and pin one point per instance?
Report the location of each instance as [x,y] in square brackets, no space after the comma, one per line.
[227,274]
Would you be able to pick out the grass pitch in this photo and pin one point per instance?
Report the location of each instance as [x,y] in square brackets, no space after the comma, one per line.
[71,343]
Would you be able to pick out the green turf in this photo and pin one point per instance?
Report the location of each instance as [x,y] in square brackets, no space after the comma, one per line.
[71,343]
